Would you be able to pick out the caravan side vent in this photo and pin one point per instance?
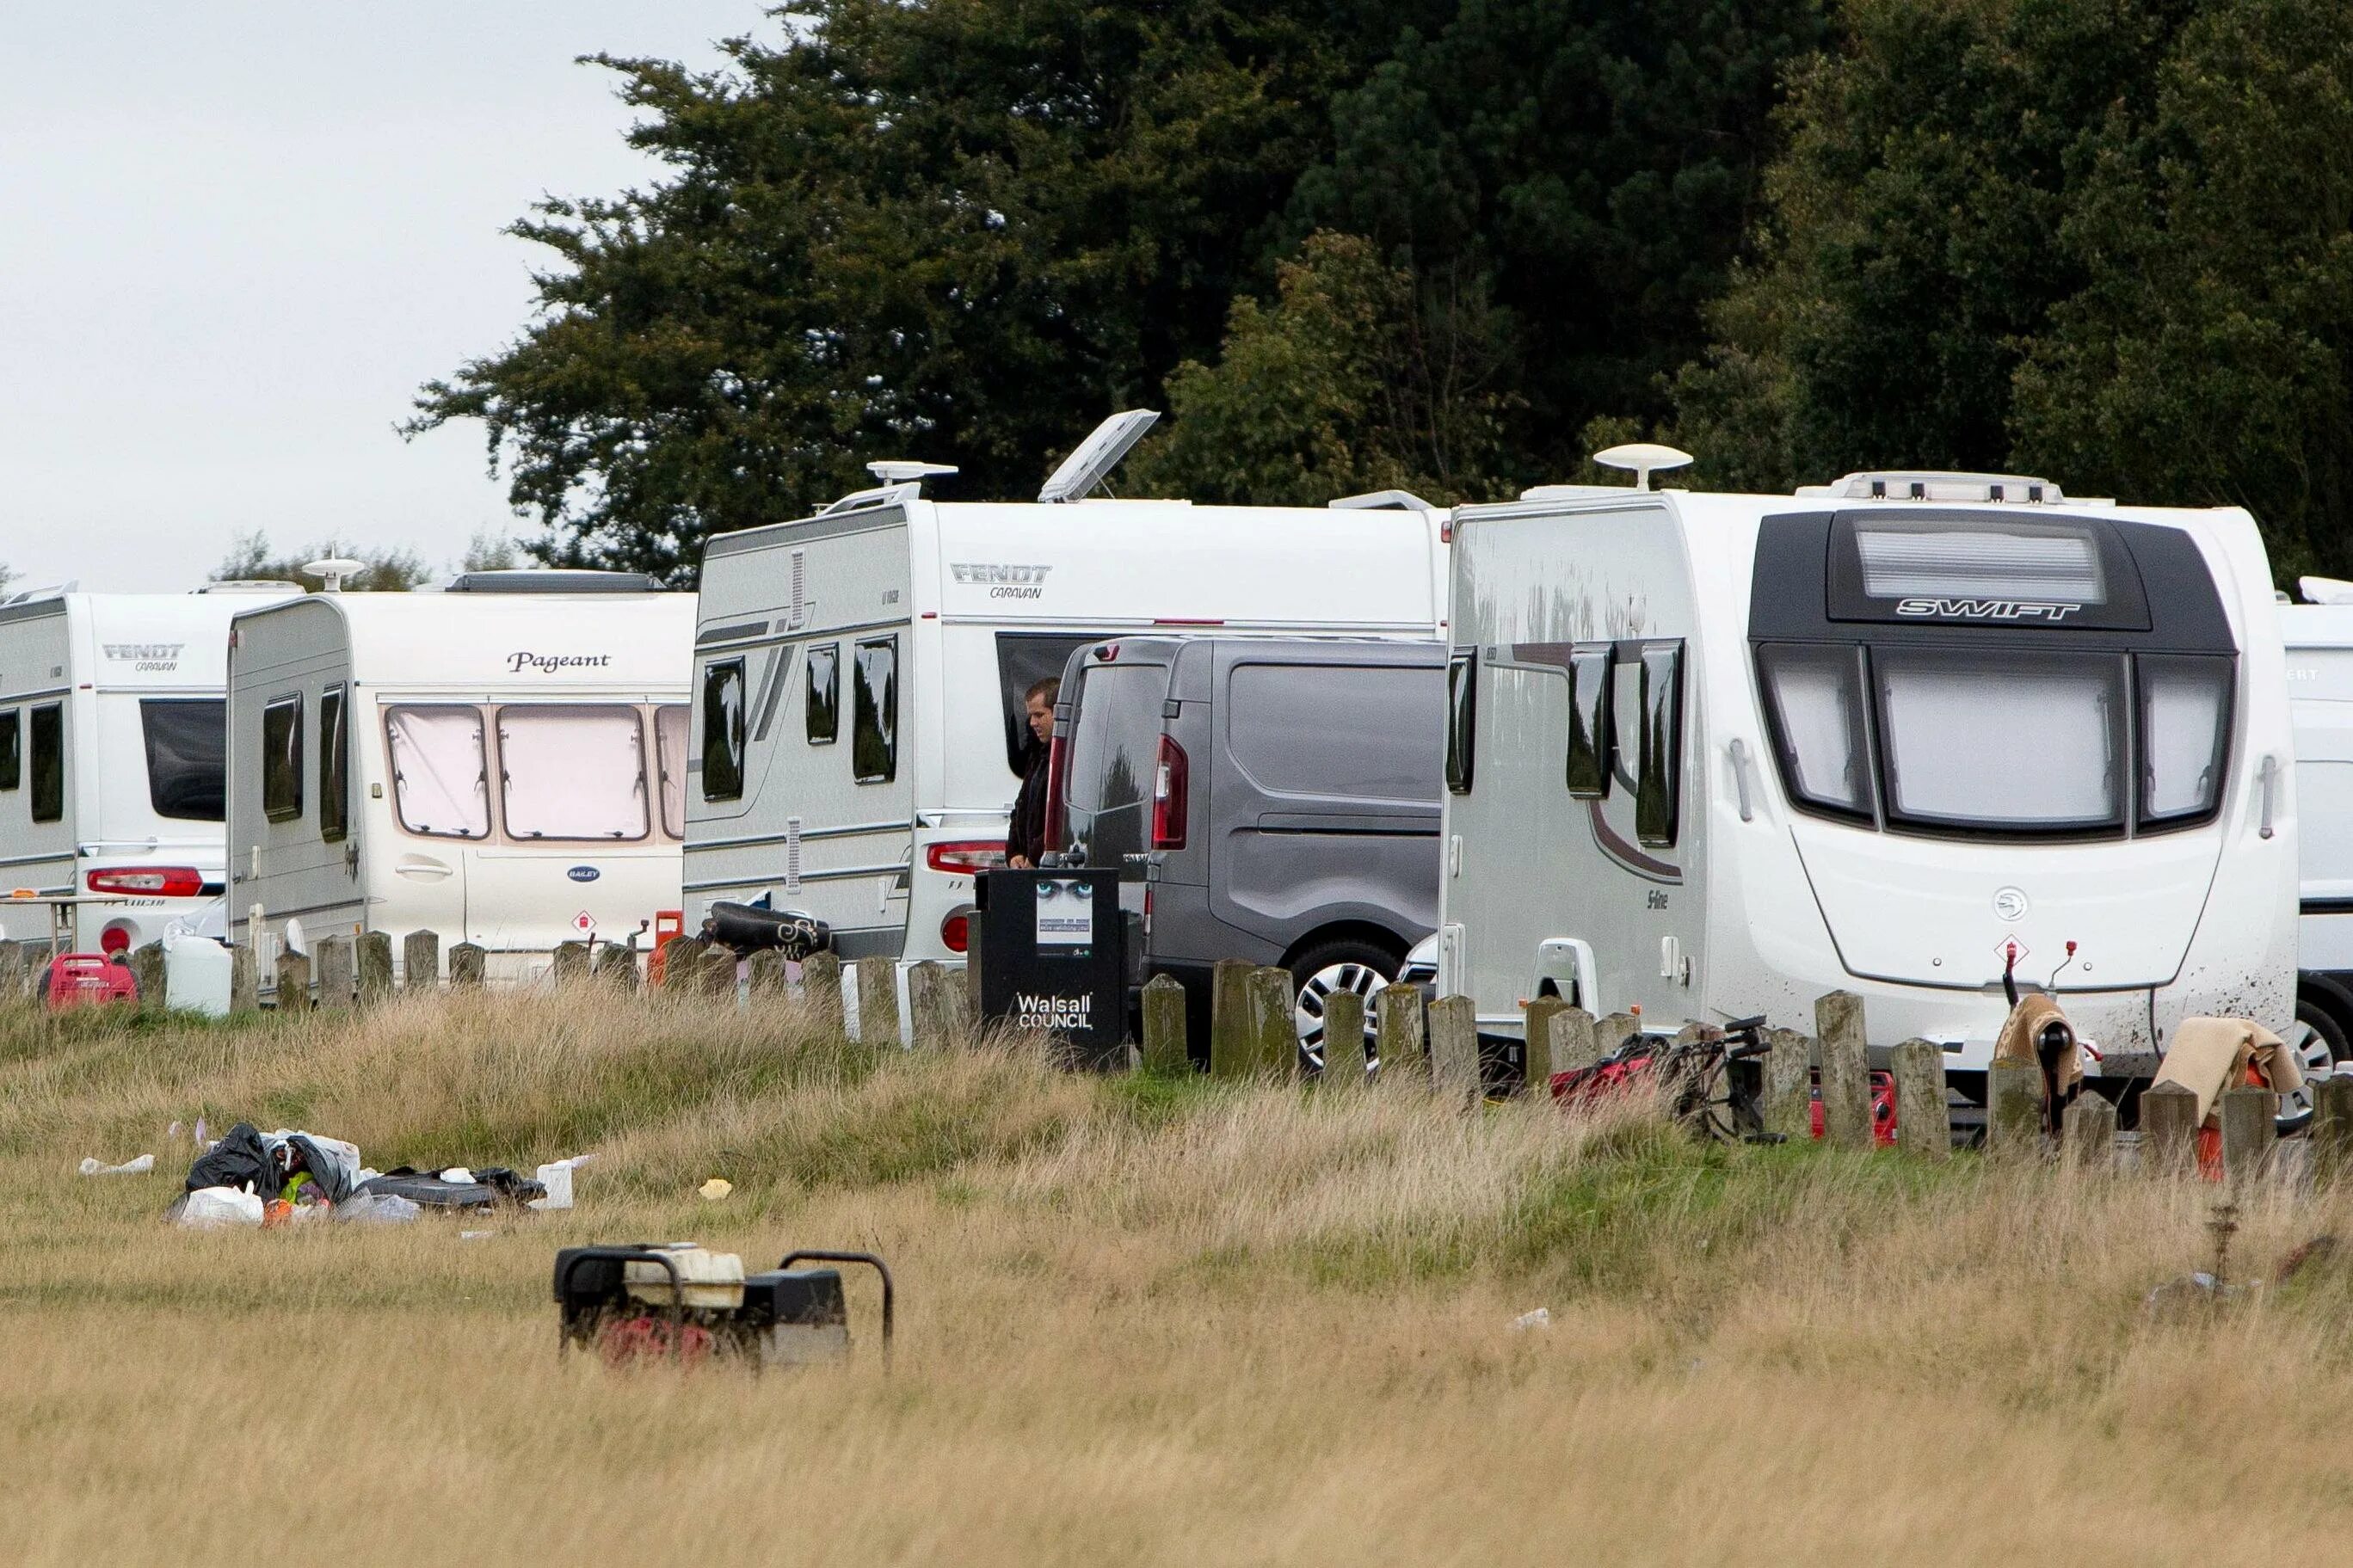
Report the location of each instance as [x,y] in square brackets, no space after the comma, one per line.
[799,616]
[791,855]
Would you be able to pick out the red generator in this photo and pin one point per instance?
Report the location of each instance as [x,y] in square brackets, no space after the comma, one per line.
[1883,1109]
[86,979]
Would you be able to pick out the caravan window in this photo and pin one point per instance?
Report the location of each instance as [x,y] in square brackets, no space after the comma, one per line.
[1658,779]
[49,762]
[12,752]
[722,730]
[2185,728]
[874,717]
[281,760]
[1461,716]
[187,756]
[1814,704]
[572,771]
[669,758]
[1023,659]
[1591,670]
[824,714]
[1945,714]
[438,785]
[334,764]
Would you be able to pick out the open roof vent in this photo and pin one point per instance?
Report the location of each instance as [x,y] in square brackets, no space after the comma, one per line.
[1098,455]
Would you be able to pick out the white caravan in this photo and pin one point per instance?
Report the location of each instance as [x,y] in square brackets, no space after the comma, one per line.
[858,736]
[2319,637]
[110,757]
[1716,755]
[500,763]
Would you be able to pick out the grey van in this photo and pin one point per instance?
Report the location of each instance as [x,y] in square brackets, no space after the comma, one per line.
[1284,793]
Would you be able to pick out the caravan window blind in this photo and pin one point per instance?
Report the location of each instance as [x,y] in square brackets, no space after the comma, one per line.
[439,785]
[572,772]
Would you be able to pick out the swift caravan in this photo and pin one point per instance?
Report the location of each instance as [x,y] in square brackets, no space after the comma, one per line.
[1716,755]
[500,763]
[110,757]
[858,731]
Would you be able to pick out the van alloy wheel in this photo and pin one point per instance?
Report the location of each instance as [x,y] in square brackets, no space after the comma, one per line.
[1316,989]
[2319,1047]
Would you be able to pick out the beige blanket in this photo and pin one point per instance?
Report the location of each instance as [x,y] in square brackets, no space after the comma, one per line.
[2207,1056]
[2016,1041]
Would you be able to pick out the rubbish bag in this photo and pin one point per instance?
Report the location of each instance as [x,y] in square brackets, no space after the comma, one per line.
[217,1208]
[376,1208]
[749,930]
[240,1160]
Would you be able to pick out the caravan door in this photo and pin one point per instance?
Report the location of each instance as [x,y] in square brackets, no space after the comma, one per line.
[440,810]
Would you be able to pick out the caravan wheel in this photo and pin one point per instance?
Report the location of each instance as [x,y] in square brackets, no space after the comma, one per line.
[1347,964]
[2320,1047]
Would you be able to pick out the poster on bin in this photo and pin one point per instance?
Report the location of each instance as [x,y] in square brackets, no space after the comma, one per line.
[1065,915]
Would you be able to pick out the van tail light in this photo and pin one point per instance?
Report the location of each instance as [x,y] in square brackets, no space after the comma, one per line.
[956,934]
[965,857]
[1170,782]
[1058,762]
[147,881]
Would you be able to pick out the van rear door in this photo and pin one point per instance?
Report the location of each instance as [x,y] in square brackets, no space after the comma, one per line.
[1114,746]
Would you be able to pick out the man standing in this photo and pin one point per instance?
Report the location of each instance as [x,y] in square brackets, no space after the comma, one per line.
[1024,838]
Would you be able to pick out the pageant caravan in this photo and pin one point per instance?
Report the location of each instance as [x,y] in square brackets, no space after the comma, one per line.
[858,734]
[1717,755]
[500,763]
[111,758]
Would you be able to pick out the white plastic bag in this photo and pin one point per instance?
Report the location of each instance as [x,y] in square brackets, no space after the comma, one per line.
[556,1177]
[220,1208]
[138,1167]
[376,1208]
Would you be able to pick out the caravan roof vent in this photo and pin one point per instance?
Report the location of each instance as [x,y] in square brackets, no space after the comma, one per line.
[332,571]
[2324,590]
[550,580]
[1098,455]
[900,471]
[1644,458]
[1937,485]
[249,586]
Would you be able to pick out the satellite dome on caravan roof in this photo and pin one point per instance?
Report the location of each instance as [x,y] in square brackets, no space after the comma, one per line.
[861,673]
[1873,737]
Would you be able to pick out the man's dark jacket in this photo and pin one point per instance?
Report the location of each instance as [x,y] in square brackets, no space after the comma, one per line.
[1026,835]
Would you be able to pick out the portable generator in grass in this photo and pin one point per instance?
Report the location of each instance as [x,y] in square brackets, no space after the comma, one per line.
[685,1303]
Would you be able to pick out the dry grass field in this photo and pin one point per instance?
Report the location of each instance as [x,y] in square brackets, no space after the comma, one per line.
[1141,1321]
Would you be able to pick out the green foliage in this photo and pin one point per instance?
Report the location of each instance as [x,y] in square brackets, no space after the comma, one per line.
[388,569]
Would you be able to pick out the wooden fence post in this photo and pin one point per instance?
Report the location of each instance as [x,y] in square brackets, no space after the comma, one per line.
[147,971]
[332,959]
[1454,1048]
[376,967]
[421,961]
[1846,1070]
[293,982]
[1233,1049]
[930,1003]
[1535,1044]
[1789,1084]
[2249,1133]
[1399,1045]
[2088,1136]
[2168,1129]
[1344,1040]
[1273,1027]
[821,987]
[617,965]
[767,972]
[465,964]
[1924,1123]
[571,964]
[2332,1126]
[2014,1107]
[878,1000]
[1163,1026]
[244,980]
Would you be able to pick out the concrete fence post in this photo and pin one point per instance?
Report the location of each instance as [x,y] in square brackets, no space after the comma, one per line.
[1789,1084]
[1846,1070]
[13,986]
[1454,1048]
[972,925]
[1924,1123]
[465,965]
[766,970]
[1535,1044]
[930,1003]
[1233,1049]
[147,971]
[1344,1040]
[821,987]
[2332,1127]
[2088,1136]
[2168,1129]
[421,961]
[376,967]
[617,965]
[1273,1027]
[1163,1026]
[2249,1133]
[878,1000]
[721,970]
[571,964]
[1610,1031]
[244,980]
[2014,1108]
[338,971]
[293,982]
[1573,1042]
[1399,1042]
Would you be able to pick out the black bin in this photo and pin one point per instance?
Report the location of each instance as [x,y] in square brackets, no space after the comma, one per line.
[1053,959]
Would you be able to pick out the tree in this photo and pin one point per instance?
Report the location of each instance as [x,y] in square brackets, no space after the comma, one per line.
[387,570]
[488,552]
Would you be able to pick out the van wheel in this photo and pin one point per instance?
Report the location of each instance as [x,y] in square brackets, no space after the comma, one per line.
[2318,1043]
[1346,964]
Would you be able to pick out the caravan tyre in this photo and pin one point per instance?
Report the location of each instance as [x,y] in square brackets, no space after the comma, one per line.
[2320,1047]
[1342,963]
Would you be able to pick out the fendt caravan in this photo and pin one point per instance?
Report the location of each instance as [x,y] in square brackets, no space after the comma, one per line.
[500,763]
[110,757]
[1716,755]
[858,734]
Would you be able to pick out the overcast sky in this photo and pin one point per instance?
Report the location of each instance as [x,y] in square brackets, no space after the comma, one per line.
[234,236]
